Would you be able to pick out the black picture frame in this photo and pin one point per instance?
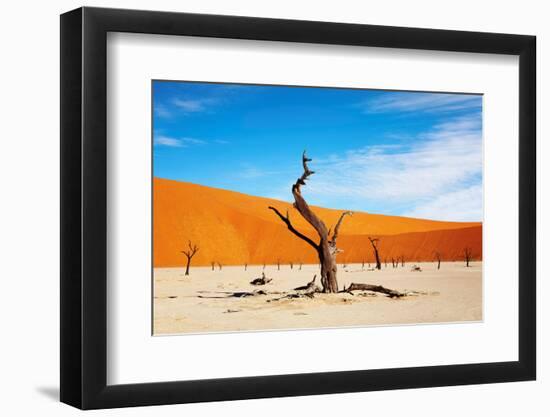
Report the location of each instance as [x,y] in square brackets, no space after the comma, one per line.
[84,208]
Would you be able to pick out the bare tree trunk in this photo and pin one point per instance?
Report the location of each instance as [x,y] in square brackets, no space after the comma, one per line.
[467,256]
[189,253]
[326,248]
[328,269]
[187,266]
[374,243]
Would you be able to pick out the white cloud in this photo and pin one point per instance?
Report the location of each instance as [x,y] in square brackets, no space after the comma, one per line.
[442,162]
[464,205]
[161,140]
[194,106]
[421,102]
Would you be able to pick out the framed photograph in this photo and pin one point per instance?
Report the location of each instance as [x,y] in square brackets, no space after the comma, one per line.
[259,208]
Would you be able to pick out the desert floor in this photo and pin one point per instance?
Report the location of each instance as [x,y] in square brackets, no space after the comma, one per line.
[197,303]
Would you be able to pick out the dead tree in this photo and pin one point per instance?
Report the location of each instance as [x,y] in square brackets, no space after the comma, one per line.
[245,266]
[291,265]
[385,262]
[374,243]
[264,266]
[467,256]
[189,253]
[300,268]
[278,264]
[402,260]
[374,288]
[310,287]
[363,265]
[261,281]
[326,248]
[219,266]
[438,259]
[213,264]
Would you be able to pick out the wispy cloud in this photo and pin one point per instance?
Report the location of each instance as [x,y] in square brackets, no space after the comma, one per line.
[426,176]
[466,202]
[182,106]
[421,102]
[161,140]
[194,105]
[162,111]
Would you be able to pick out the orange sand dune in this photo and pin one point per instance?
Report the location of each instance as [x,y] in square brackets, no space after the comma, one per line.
[234,228]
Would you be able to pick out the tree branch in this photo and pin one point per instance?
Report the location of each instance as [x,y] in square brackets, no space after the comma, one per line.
[193,249]
[302,180]
[374,242]
[301,205]
[337,227]
[286,220]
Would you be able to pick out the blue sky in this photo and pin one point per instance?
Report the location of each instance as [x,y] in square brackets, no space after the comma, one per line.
[401,153]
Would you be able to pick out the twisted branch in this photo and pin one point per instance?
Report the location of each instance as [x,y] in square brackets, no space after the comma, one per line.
[286,220]
[301,205]
[337,227]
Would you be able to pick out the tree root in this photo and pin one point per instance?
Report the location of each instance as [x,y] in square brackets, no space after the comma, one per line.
[236,294]
[374,288]
[310,286]
[310,289]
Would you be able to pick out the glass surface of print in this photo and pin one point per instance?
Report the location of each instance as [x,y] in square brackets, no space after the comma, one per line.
[282,207]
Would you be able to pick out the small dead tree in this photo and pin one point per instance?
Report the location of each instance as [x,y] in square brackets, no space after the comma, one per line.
[362,265]
[300,268]
[438,259]
[191,251]
[261,281]
[291,265]
[326,248]
[219,266]
[264,267]
[278,264]
[374,243]
[213,264]
[402,260]
[245,266]
[467,256]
